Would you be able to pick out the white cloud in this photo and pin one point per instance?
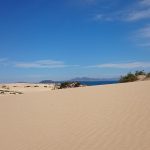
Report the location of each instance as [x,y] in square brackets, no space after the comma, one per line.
[131,65]
[41,64]
[82,2]
[138,10]
[144,32]
[138,15]
[89,1]
[145,2]
[3,61]
[35,64]
[99,17]
[142,36]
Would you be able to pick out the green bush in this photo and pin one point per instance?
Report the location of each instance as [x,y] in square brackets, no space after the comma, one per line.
[128,78]
[77,84]
[64,85]
[69,85]
[137,73]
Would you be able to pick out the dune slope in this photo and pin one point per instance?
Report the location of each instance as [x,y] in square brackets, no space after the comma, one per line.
[110,117]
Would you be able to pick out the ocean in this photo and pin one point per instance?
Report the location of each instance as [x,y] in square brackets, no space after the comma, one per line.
[92,83]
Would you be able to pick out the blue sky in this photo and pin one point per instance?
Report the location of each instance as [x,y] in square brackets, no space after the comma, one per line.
[63,39]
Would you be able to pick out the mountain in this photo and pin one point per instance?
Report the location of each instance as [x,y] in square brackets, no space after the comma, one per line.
[92,79]
[80,79]
[46,81]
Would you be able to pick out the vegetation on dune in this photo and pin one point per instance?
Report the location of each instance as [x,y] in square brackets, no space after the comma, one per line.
[128,78]
[5,87]
[131,77]
[9,92]
[148,75]
[27,86]
[69,85]
[137,73]
[36,86]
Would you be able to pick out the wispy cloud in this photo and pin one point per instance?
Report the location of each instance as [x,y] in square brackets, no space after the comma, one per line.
[35,64]
[3,61]
[138,10]
[145,2]
[41,64]
[137,15]
[82,2]
[88,1]
[142,36]
[144,32]
[131,65]
[99,17]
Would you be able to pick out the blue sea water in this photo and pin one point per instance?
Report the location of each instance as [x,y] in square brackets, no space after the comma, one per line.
[92,83]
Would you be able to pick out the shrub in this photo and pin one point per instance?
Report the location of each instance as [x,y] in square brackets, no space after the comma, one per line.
[148,75]
[36,86]
[2,92]
[13,93]
[19,93]
[27,86]
[137,73]
[5,87]
[64,85]
[69,85]
[77,84]
[128,78]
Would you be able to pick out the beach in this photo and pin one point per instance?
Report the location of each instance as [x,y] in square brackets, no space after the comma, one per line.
[105,117]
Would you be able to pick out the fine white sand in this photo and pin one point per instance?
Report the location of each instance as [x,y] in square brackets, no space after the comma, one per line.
[109,117]
[27,87]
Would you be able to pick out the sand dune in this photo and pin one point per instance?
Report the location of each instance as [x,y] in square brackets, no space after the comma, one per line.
[27,87]
[109,117]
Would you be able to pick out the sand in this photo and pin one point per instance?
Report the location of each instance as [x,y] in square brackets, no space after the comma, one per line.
[26,87]
[108,117]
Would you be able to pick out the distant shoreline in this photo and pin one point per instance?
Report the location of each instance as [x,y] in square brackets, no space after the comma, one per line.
[88,83]
[94,83]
